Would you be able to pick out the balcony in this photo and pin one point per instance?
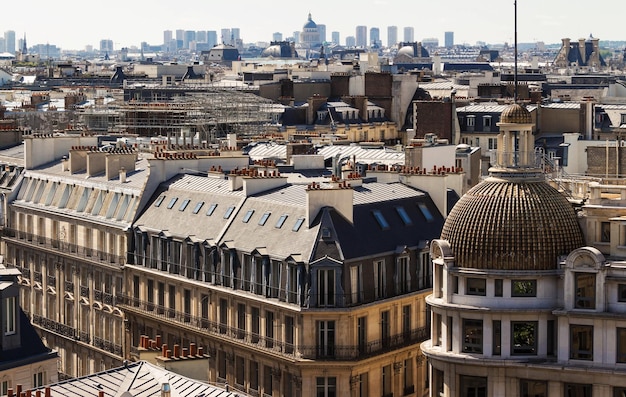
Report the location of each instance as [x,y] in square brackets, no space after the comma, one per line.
[58,246]
[245,337]
[53,326]
[107,346]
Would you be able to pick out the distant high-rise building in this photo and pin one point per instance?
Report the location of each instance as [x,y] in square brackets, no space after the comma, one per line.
[392,35]
[225,37]
[409,34]
[3,46]
[375,38]
[350,41]
[188,38]
[211,38]
[335,37]
[201,36]
[180,33]
[277,36]
[449,39]
[361,36]
[430,42]
[9,41]
[296,37]
[235,34]
[321,28]
[167,40]
[106,45]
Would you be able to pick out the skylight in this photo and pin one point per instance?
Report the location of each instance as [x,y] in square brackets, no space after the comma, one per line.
[159,201]
[297,225]
[425,212]
[198,206]
[184,205]
[264,218]
[211,209]
[281,220]
[247,216]
[404,216]
[172,202]
[229,212]
[382,222]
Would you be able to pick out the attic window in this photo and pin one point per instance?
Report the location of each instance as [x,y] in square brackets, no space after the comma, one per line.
[382,222]
[425,212]
[281,220]
[229,212]
[326,232]
[159,201]
[404,216]
[264,218]
[171,203]
[297,225]
[198,206]
[247,216]
[184,205]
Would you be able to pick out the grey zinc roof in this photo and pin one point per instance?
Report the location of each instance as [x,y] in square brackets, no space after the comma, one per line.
[379,155]
[265,150]
[489,107]
[139,379]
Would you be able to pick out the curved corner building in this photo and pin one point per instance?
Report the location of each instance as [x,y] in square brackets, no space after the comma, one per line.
[520,307]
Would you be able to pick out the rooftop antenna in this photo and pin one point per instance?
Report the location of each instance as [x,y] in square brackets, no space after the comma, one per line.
[515,55]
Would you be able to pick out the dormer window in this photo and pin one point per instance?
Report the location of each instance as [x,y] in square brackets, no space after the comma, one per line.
[585,289]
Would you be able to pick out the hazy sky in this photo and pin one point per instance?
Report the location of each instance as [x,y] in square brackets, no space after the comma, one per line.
[73,25]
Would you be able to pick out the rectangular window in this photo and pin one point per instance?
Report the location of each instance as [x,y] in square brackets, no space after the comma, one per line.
[326,338]
[471,121]
[326,387]
[240,369]
[325,287]
[289,335]
[533,388]
[476,286]
[379,279]
[356,283]
[581,342]
[269,329]
[473,336]
[487,121]
[158,201]
[403,275]
[241,320]
[523,288]
[254,375]
[523,338]
[361,327]
[385,328]
[387,381]
[585,288]
[409,387]
[577,390]
[10,315]
[497,284]
[621,292]
[621,345]
[38,379]
[406,321]
[493,143]
[605,232]
[497,337]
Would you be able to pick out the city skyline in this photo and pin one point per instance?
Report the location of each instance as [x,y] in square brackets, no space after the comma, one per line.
[128,24]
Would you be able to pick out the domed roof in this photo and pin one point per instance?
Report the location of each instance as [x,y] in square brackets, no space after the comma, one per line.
[517,114]
[309,23]
[406,50]
[502,224]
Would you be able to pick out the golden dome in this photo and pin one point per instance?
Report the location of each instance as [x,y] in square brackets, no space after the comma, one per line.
[517,114]
[502,224]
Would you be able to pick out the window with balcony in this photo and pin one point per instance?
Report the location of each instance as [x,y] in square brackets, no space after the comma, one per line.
[403,275]
[325,338]
[385,327]
[379,279]
[325,287]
